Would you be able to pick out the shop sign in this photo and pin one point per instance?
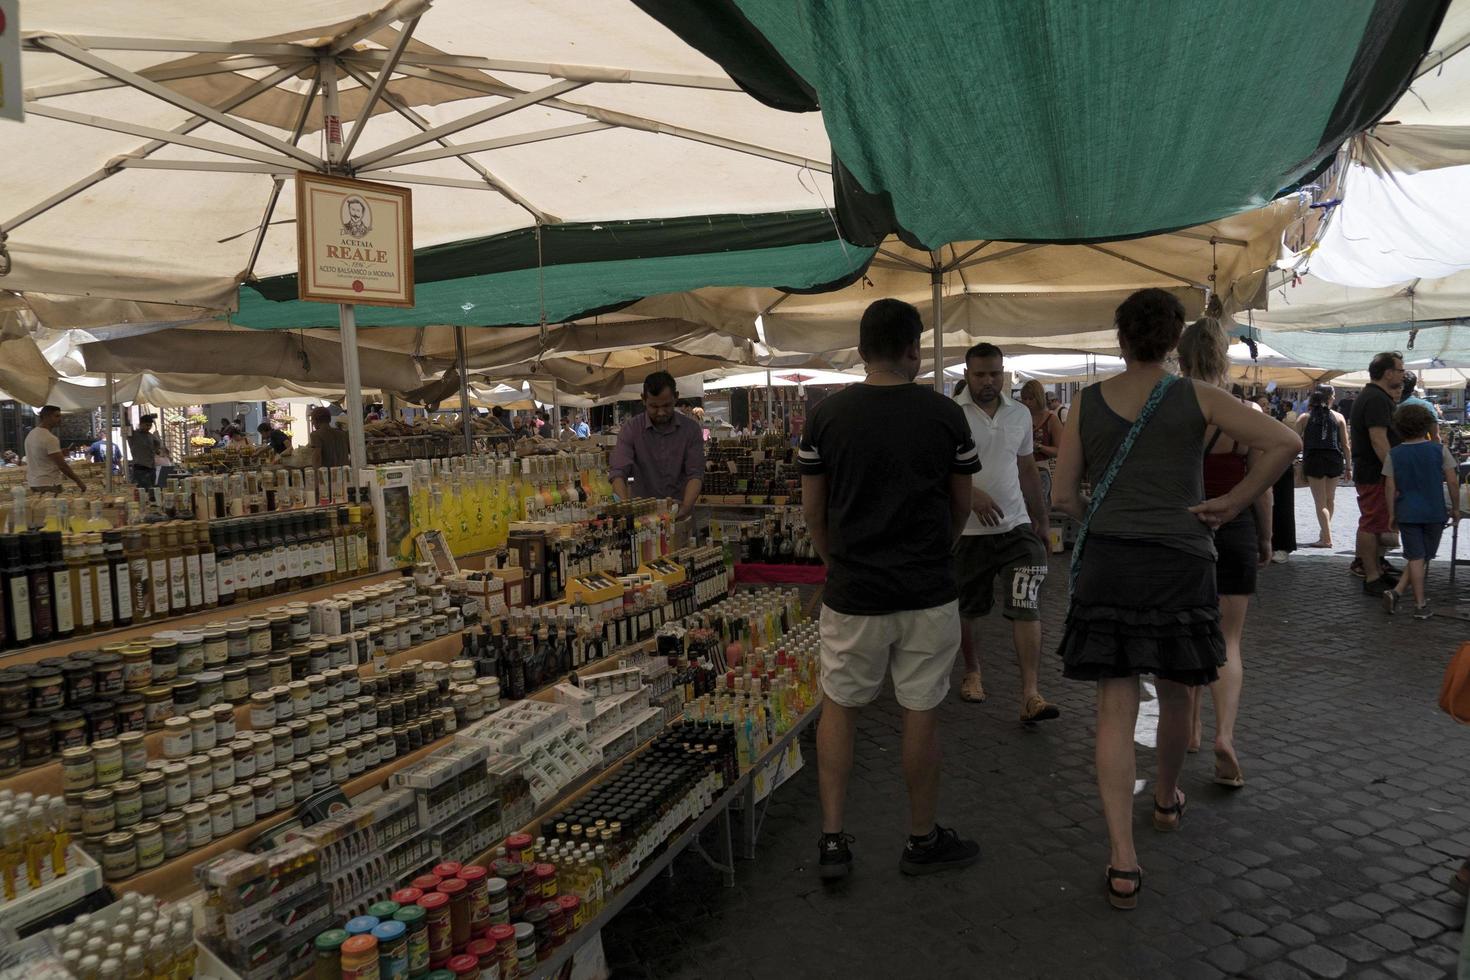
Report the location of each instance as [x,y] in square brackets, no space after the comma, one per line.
[354,241]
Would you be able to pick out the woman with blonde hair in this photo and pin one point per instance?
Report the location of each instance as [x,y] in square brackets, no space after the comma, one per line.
[1143,598]
[1241,546]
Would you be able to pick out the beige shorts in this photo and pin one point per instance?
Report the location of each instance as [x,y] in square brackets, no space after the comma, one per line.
[917,647]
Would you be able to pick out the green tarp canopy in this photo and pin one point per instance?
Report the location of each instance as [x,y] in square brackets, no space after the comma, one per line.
[578,269]
[1064,120]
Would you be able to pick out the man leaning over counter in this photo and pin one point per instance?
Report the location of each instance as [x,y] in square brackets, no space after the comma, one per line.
[659,449]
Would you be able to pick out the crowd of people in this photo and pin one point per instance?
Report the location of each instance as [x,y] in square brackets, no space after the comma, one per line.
[919,505]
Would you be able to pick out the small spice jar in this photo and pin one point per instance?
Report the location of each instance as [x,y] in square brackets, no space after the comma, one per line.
[201,776]
[242,805]
[175,834]
[155,795]
[285,789]
[68,730]
[341,769]
[127,802]
[191,651]
[221,815]
[285,709]
[77,770]
[178,738]
[185,695]
[137,664]
[258,674]
[300,737]
[132,714]
[264,791]
[201,725]
[211,688]
[321,771]
[148,837]
[158,706]
[260,636]
[237,684]
[119,856]
[224,723]
[98,813]
[107,674]
[161,655]
[262,710]
[199,823]
[176,784]
[107,761]
[301,787]
[134,753]
[222,766]
[217,646]
[237,640]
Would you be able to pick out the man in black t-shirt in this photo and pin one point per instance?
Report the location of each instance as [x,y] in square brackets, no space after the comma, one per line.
[1372,435]
[885,488]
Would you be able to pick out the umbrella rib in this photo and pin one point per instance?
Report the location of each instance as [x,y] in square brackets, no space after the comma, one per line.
[188,126]
[583,73]
[101,65]
[501,142]
[209,166]
[165,136]
[379,85]
[401,11]
[955,260]
[95,42]
[994,256]
[623,119]
[903,260]
[1144,265]
[227,67]
[278,183]
[403,109]
[391,154]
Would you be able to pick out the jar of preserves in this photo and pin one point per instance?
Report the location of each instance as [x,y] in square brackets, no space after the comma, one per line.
[158,706]
[201,724]
[178,738]
[77,674]
[132,715]
[211,688]
[185,695]
[237,684]
[301,785]
[191,651]
[237,640]
[341,770]
[285,789]
[284,745]
[265,752]
[258,674]
[176,784]
[262,710]
[47,689]
[221,815]
[107,761]
[148,837]
[119,856]
[77,770]
[127,802]
[199,823]
[285,709]
[155,794]
[224,723]
[222,766]
[242,804]
[321,771]
[260,636]
[175,834]
[217,646]
[98,815]
[134,753]
[201,776]
[352,748]
[68,730]
[300,737]
[264,790]
[163,659]
[107,674]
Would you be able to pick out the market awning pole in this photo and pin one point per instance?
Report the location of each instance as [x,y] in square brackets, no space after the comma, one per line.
[937,281]
[555,409]
[769,399]
[107,430]
[464,391]
[346,312]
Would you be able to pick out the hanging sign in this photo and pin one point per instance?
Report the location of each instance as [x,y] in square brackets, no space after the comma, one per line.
[12,101]
[354,241]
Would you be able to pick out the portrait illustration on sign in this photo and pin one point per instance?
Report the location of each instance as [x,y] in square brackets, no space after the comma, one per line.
[357,216]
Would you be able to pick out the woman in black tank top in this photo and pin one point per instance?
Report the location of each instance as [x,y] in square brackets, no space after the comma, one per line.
[1143,598]
[1324,458]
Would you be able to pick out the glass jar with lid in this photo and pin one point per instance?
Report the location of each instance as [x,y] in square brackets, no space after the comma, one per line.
[202,728]
[224,723]
[134,753]
[236,684]
[178,738]
[222,766]
[119,856]
[285,746]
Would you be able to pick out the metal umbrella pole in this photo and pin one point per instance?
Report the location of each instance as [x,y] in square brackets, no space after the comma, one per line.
[936,281]
[464,391]
[346,312]
[107,430]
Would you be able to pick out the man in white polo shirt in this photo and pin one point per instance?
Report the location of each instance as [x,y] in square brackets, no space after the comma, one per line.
[1006,534]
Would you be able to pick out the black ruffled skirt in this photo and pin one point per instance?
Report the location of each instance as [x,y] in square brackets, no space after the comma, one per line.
[1143,608]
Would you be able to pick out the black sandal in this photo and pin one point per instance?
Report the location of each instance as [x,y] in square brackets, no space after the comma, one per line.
[1123,900]
[1176,811]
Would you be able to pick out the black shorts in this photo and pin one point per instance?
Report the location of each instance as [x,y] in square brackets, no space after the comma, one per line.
[1322,463]
[1017,557]
[1236,555]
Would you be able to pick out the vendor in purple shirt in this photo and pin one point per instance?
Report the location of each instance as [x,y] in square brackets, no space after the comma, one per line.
[660,450]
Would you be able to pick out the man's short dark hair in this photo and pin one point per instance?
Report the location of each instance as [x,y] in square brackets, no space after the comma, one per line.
[888,329]
[264,427]
[657,383]
[983,350]
[1383,363]
[1411,381]
[683,403]
[1413,421]
[47,410]
[1149,324]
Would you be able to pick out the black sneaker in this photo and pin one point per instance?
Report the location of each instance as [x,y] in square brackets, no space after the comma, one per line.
[943,851]
[1388,568]
[1423,612]
[1377,587]
[834,857]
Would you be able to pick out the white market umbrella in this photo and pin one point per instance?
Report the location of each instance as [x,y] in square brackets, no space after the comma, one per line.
[147,181]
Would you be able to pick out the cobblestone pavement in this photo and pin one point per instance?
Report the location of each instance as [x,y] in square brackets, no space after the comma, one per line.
[1332,862]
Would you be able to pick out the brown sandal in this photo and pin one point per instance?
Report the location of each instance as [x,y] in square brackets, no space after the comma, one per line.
[972,690]
[1168,818]
[1123,900]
